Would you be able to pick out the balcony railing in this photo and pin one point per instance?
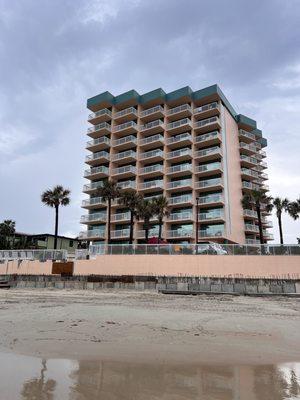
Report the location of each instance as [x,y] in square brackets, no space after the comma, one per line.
[180,183]
[180,233]
[97,114]
[151,139]
[97,141]
[181,216]
[249,185]
[209,167]
[250,213]
[127,185]
[179,153]
[205,122]
[124,140]
[211,151]
[151,154]
[92,186]
[151,184]
[152,124]
[121,217]
[206,107]
[93,217]
[120,233]
[179,168]
[207,136]
[123,155]
[178,124]
[151,110]
[103,125]
[250,172]
[126,111]
[152,233]
[93,201]
[250,160]
[247,135]
[211,233]
[249,147]
[185,198]
[251,228]
[211,215]
[124,170]
[94,233]
[212,198]
[151,168]
[176,110]
[124,126]
[209,183]
[179,138]
[96,156]
[96,170]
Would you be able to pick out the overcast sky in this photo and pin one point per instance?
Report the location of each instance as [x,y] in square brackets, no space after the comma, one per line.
[54,54]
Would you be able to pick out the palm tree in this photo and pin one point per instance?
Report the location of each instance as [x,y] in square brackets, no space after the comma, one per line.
[145,211]
[258,199]
[294,209]
[7,229]
[130,199]
[280,205]
[58,196]
[109,192]
[161,210]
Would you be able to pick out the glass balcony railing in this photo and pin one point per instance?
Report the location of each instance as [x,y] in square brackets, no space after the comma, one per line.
[251,228]
[181,216]
[252,241]
[180,183]
[179,138]
[151,168]
[247,135]
[126,111]
[96,170]
[151,184]
[93,217]
[151,110]
[121,217]
[151,154]
[211,215]
[250,172]
[96,156]
[180,233]
[250,213]
[249,147]
[185,198]
[209,167]
[93,201]
[93,233]
[212,198]
[97,114]
[211,233]
[103,125]
[123,155]
[97,141]
[206,107]
[124,126]
[179,168]
[209,183]
[207,152]
[120,233]
[124,140]
[124,170]
[127,185]
[205,122]
[250,186]
[179,153]
[152,233]
[92,186]
[250,160]
[207,137]
[177,124]
[152,124]
[176,110]
[151,139]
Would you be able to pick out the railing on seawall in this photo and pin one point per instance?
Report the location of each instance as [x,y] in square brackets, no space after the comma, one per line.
[39,255]
[189,249]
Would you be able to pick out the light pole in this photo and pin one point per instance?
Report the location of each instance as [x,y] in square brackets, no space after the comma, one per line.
[197,222]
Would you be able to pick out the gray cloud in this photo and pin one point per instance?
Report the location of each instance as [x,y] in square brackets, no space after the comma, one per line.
[54,54]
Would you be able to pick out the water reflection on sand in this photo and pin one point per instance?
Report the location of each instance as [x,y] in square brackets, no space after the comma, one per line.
[32,378]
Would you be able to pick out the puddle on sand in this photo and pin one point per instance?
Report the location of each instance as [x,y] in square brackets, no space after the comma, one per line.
[29,378]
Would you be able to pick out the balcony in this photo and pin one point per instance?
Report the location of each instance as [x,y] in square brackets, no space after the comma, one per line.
[181,216]
[246,137]
[207,124]
[126,128]
[252,241]
[127,185]
[209,169]
[98,144]
[208,139]
[215,199]
[248,149]
[152,127]
[122,172]
[179,126]
[127,156]
[211,233]
[249,174]
[179,233]
[179,155]
[248,186]
[93,202]
[148,142]
[153,155]
[120,233]
[99,116]
[149,186]
[152,233]
[208,154]
[152,170]
[179,112]
[120,217]
[211,216]
[92,234]
[250,214]
[181,139]
[125,115]
[124,143]
[251,228]
[248,161]
[179,169]
[92,187]
[93,218]
[96,158]
[180,200]
[209,184]
[264,176]
[180,185]
[99,130]
[268,236]
[151,113]
[208,110]
[96,172]
[267,223]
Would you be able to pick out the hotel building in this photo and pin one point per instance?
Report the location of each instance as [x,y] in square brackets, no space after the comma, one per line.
[191,147]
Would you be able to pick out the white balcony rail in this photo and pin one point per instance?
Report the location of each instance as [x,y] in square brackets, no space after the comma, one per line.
[124,170]
[120,233]
[94,142]
[206,107]
[99,154]
[179,138]
[126,139]
[123,154]
[127,185]
[249,147]
[151,154]
[93,201]
[151,110]
[126,111]
[179,168]
[206,216]
[207,136]
[209,183]
[103,125]
[185,198]
[96,114]
[249,135]
[151,168]
[177,124]
[179,153]
[92,186]
[121,217]
[93,217]
[151,184]
[94,233]
[176,110]
[129,124]
[211,233]
[250,172]
[210,151]
[250,213]
[204,122]
[180,233]
[181,216]
[96,170]
[251,228]
[152,124]
[251,160]
[213,198]
[249,185]
[151,139]
[180,183]
[209,167]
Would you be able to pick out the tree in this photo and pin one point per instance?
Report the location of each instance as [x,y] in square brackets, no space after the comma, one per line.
[258,199]
[161,210]
[58,196]
[280,205]
[109,192]
[145,211]
[294,209]
[130,199]
[7,229]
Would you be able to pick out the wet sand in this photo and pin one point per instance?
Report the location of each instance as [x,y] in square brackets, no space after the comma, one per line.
[149,327]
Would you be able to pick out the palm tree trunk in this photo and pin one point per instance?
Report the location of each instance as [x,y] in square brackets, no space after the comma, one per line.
[159,229]
[261,235]
[131,227]
[146,230]
[56,227]
[108,221]
[280,229]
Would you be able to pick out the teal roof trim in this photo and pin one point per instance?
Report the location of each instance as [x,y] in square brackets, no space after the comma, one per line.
[257,133]
[246,120]
[153,95]
[130,95]
[263,142]
[103,97]
[177,94]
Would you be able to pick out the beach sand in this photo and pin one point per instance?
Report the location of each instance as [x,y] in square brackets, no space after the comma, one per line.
[129,326]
